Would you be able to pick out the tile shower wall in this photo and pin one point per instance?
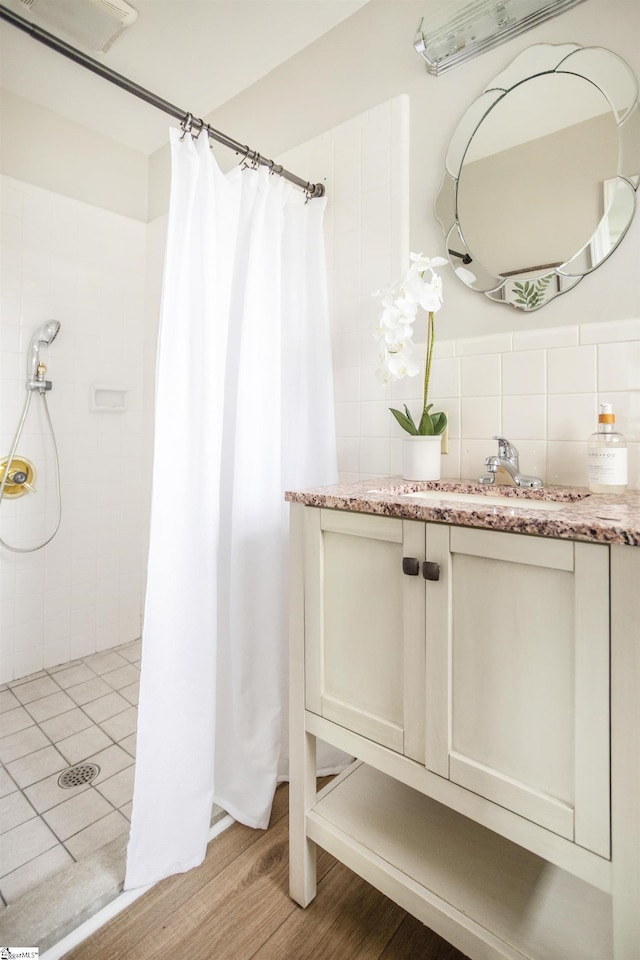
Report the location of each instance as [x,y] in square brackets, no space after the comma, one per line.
[541,388]
[85,267]
[364,163]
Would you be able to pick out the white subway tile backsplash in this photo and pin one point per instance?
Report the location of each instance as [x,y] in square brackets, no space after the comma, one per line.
[524,418]
[571,416]
[524,372]
[619,366]
[374,457]
[572,370]
[374,419]
[480,417]
[472,456]
[626,406]
[348,419]
[348,455]
[567,462]
[480,376]
[451,406]
[445,377]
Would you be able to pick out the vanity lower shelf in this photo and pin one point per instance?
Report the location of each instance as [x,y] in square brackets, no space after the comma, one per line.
[481,892]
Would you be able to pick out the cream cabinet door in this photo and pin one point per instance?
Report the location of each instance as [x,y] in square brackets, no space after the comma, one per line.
[518,675]
[364,626]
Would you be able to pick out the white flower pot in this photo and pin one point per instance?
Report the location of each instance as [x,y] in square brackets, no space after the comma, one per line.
[421,458]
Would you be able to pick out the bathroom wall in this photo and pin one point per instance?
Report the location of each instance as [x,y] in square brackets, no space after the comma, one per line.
[84,266]
[539,387]
[46,149]
[369,59]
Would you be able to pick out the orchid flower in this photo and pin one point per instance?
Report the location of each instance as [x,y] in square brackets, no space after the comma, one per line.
[421,288]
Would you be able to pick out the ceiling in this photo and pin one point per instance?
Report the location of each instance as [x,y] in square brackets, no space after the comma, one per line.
[197,54]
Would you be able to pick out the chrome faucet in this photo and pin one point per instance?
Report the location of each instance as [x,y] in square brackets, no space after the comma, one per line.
[509,458]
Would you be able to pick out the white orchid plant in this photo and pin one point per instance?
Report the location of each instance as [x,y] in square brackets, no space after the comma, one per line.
[421,287]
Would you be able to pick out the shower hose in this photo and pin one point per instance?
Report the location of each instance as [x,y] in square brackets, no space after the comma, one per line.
[14,445]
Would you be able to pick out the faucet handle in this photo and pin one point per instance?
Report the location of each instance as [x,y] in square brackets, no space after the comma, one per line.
[506,449]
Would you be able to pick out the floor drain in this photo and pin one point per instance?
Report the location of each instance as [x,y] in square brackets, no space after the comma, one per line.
[79,774]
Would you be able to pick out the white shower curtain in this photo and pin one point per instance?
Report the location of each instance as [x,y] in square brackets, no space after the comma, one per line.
[244,410]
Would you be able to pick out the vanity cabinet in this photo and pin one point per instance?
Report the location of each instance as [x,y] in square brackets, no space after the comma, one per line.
[489,666]
[467,671]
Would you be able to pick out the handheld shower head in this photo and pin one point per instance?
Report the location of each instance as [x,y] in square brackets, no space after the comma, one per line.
[46,333]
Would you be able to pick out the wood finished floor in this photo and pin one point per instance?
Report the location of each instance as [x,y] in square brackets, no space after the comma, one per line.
[236,906]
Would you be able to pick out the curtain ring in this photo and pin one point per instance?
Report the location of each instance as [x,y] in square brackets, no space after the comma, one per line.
[186,124]
[200,129]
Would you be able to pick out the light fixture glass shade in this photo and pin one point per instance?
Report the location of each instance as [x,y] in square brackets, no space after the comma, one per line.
[464,30]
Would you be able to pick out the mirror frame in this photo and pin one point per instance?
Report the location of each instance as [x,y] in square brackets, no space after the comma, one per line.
[609,74]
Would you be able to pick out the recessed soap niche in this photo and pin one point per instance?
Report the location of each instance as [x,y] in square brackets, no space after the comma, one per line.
[106,398]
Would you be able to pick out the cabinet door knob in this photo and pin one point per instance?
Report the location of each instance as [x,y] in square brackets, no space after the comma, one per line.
[430,571]
[411,566]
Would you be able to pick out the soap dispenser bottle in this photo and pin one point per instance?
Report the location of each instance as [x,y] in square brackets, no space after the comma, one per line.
[607,455]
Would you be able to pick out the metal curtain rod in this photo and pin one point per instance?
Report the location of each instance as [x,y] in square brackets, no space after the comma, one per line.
[186,119]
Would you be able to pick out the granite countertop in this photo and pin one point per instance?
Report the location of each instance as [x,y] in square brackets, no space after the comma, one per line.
[581,515]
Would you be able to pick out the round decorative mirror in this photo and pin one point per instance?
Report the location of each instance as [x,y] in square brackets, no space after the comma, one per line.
[541,174]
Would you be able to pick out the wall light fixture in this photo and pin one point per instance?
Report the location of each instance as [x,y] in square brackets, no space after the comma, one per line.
[464,30]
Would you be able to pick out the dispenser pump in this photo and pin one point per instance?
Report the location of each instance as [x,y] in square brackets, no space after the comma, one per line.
[607,455]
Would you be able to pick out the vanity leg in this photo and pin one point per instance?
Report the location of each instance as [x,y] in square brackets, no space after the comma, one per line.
[302,745]
[625,751]
[302,851]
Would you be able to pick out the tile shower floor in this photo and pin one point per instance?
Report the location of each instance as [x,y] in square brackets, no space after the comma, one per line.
[77,712]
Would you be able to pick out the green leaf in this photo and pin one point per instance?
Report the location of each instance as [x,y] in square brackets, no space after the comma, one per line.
[439,421]
[408,415]
[405,422]
[426,425]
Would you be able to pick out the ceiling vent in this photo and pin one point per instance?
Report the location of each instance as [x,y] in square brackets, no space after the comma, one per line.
[96,24]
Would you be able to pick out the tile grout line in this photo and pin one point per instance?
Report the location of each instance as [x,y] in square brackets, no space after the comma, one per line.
[94,724]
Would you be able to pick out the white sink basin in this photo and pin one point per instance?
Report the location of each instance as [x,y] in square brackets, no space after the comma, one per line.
[489,500]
